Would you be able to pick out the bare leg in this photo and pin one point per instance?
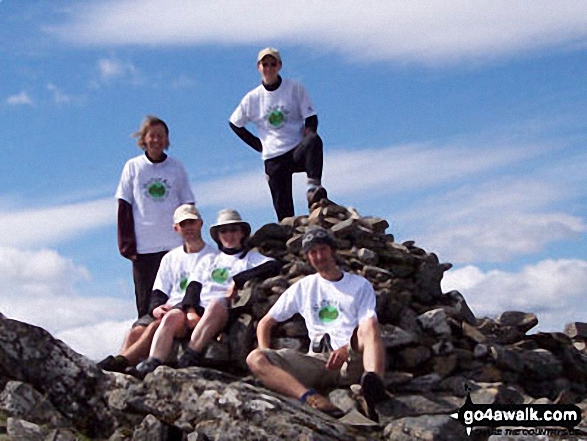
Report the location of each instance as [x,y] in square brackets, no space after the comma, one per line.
[131,337]
[273,377]
[173,325]
[371,345]
[139,350]
[212,322]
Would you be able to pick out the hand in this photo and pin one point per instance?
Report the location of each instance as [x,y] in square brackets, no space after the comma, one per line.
[338,358]
[160,311]
[232,291]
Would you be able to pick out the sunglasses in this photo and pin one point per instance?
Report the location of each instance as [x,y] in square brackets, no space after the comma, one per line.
[232,229]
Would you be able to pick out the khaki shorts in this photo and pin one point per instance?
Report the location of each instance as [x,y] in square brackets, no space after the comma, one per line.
[310,370]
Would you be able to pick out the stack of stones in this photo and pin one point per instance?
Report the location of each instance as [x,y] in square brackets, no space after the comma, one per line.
[437,353]
[434,343]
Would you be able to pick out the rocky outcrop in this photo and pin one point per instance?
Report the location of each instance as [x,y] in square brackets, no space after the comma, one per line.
[437,352]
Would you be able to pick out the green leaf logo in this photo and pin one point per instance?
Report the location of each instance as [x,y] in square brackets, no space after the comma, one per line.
[328,314]
[157,190]
[276,118]
[220,275]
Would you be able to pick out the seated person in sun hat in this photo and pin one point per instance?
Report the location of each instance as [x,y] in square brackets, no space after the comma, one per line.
[215,280]
[168,289]
[339,310]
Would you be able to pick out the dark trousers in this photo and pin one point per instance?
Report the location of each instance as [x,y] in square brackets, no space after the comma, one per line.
[307,157]
[144,272]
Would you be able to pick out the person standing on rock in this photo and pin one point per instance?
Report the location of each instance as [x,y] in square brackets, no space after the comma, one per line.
[287,126]
[215,280]
[339,311]
[168,289]
[151,187]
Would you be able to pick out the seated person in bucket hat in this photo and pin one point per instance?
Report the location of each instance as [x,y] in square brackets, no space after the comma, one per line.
[337,305]
[214,281]
[168,289]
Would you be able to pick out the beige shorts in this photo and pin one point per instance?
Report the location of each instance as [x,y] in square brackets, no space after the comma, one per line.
[310,370]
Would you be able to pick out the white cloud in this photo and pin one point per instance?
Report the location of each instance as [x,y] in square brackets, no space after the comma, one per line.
[415,167]
[499,218]
[55,224]
[98,340]
[41,287]
[366,173]
[552,289]
[418,30]
[112,69]
[20,99]
[60,97]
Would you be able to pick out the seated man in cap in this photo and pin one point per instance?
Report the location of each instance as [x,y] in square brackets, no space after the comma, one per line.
[215,280]
[287,126]
[339,310]
[168,289]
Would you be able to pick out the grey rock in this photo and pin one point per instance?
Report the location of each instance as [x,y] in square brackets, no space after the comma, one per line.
[343,399]
[443,347]
[457,301]
[426,428]
[23,401]
[70,381]
[473,333]
[394,336]
[18,429]
[154,430]
[425,383]
[415,405]
[367,256]
[435,322]
[506,358]
[522,320]
[412,357]
[576,330]
[481,350]
[541,364]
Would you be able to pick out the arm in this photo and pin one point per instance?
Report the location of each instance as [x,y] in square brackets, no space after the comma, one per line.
[191,299]
[311,125]
[337,358]
[263,271]
[264,331]
[127,242]
[158,298]
[247,137]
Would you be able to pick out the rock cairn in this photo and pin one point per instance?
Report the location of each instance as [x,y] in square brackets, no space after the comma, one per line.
[437,352]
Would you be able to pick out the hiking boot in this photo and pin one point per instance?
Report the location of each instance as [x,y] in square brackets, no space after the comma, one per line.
[146,367]
[189,358]
[113,364]
[373,392]
[323,404]
[315,195]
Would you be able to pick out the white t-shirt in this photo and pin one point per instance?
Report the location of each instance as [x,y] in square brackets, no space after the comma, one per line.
[279,116]
[215,273]
[176,266]
[335,308]
[154,190]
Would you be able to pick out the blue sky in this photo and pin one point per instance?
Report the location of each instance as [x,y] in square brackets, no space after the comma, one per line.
[462,123]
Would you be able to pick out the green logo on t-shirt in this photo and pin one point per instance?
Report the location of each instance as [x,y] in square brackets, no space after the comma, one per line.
[157,188]
[183,284]
[220,275]
[276,118]
[328,314]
